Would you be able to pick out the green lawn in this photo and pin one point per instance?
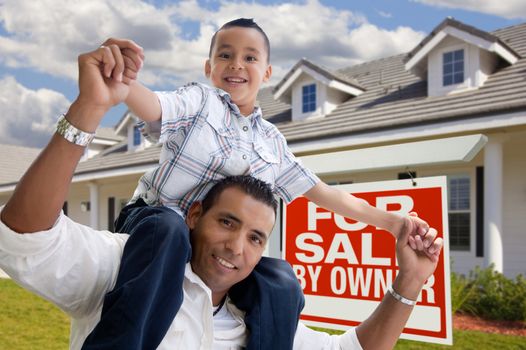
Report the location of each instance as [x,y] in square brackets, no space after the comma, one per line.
[29,322]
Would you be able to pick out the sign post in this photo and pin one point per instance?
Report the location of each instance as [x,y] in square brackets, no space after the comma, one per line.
[345,267]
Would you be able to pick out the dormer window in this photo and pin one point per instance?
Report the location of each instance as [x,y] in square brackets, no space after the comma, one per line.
[309,98]
[136,136]
[453,67]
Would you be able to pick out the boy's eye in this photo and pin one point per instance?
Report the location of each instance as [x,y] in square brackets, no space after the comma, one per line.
[251,59]
[224,55]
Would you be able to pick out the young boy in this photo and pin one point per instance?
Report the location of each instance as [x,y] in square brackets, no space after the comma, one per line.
[209,133]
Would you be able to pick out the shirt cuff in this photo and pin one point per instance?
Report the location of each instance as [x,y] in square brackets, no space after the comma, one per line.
[27,244]
[349,340]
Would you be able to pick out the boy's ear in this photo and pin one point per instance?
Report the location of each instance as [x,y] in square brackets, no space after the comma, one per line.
[207,68]
[194,213]
[268,73]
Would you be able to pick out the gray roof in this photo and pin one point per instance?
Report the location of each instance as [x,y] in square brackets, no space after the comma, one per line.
[321,70]
[396,98]
[107,134]
[14,161]
[450,22]
[147,156]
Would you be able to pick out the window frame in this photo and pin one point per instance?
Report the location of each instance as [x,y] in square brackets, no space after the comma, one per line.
[472,212]
[136,131]
[444,89]
[311,95]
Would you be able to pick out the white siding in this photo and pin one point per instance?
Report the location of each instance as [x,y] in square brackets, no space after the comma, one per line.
[478,65]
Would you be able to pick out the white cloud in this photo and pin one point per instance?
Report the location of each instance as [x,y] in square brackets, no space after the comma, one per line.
[29,116]
[385,14]
[51,37]
[511,9]
[47,36]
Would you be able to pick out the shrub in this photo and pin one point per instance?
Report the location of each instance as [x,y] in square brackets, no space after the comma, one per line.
[461,290]
[489,294]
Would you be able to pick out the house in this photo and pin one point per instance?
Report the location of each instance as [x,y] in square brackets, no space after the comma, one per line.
[455,105]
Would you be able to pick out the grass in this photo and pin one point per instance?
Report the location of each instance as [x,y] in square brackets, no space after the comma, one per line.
[463,340]
[29,322]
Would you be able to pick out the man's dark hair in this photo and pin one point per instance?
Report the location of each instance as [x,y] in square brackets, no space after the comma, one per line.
[244,23]
[257,189]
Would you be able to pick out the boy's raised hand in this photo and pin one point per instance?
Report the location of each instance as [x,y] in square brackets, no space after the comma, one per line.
[128,59]
[104,78]
[420,236]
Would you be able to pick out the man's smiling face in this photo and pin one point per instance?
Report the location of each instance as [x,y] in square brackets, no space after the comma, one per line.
[228,239]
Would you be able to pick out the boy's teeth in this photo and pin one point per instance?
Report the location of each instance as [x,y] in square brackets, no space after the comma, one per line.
[236,80]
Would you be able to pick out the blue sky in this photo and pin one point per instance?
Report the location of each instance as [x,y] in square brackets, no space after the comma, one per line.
[40,41]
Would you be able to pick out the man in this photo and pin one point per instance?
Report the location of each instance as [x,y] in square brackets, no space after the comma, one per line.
[75,266]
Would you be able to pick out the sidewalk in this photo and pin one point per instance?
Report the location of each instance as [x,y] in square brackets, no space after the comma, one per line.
[3,274]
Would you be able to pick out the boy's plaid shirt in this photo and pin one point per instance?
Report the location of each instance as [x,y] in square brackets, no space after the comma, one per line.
[205,138]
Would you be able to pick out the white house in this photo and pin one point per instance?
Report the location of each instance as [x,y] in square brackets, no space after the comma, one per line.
[455,106]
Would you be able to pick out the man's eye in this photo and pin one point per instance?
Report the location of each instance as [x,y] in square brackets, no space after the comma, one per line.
[256,239]
[226,222]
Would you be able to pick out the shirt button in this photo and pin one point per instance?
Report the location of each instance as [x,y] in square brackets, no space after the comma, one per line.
[245,128]
[244,156]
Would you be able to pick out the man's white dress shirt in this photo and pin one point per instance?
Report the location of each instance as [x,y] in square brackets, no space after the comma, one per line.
[74,266]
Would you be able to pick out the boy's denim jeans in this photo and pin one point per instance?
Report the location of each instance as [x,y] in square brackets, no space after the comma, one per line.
[137,313]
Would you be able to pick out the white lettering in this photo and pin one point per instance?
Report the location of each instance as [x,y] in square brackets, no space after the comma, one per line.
[406,203]
[314,215]
[430,292]
[381,282]
[316,251]
[299,270]
[314,274]
[343,224]
[367,252]
[338,275]
[359,285]
[341,239]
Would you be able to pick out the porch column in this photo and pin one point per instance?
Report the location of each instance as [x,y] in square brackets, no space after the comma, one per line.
[94,205]
[493,204]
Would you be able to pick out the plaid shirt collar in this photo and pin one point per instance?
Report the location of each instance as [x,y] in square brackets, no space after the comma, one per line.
[256,117]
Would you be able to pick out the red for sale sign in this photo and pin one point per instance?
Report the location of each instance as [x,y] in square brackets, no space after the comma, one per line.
[345,266]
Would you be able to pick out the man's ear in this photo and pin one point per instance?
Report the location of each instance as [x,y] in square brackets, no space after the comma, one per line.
[194,213]
[208,68]
[268,73]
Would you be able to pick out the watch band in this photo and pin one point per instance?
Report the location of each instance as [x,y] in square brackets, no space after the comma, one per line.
[72,134]
[401,298]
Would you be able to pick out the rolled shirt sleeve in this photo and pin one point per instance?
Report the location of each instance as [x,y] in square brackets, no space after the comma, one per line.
[71,265]
[177,111]
[293,179]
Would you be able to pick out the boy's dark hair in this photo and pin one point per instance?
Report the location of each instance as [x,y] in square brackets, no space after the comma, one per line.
[244,23]
[257,189]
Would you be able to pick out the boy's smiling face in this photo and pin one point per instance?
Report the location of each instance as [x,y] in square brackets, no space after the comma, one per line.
[239,65]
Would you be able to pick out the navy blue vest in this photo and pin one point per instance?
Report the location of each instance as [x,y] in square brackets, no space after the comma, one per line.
[137,313]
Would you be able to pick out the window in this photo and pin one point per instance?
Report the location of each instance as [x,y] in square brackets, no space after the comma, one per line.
[453,67]
[459,213]
[309,98]
[136,136]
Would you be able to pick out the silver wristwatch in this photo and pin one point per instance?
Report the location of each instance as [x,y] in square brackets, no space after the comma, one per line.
[72,134]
